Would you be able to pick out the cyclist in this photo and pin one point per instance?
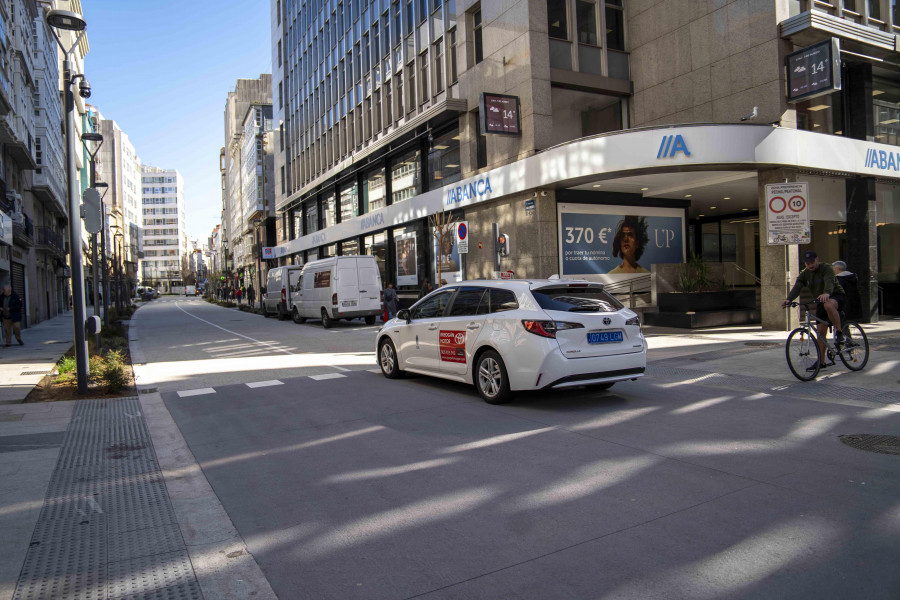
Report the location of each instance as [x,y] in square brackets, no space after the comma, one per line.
[824,285]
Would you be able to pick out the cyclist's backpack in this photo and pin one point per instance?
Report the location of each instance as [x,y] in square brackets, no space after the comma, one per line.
[853,307]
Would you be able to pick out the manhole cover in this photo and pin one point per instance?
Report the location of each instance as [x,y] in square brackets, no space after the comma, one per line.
[762,344]
[883,444]
[35,373]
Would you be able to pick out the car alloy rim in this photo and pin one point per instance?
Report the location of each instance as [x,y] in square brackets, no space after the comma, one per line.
[489,377]
[387,358]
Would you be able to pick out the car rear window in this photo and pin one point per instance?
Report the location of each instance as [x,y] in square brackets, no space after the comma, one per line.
[576,299]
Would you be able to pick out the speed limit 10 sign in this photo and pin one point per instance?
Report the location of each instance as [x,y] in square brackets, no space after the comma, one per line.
[787,213]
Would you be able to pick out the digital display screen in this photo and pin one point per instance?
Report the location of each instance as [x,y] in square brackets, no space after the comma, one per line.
[500,114]
[814,71]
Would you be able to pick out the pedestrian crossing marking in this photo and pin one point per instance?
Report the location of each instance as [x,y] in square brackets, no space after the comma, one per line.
[259,384]
[198,392]
[327,376]
[377,371]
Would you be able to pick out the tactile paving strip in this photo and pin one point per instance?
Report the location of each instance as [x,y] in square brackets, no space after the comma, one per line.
[107,528]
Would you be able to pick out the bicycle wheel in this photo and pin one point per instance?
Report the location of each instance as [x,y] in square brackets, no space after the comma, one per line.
[855,352]
[803,356]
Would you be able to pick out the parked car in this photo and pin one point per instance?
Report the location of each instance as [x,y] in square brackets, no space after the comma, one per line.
[343,287]
[506,336]
[281,283]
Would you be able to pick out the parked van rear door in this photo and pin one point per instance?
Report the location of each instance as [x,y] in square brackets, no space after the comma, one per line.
[369,285]
[347,287]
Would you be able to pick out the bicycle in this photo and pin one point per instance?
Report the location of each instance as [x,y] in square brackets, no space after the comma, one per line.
[803,352]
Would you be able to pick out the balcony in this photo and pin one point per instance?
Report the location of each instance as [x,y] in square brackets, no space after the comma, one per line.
[18,139]
[5,96]
[23,233]
[51,241]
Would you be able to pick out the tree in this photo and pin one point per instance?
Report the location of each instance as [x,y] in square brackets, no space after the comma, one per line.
[443,225]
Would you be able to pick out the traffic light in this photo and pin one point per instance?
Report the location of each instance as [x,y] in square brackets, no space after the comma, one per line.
[503,244]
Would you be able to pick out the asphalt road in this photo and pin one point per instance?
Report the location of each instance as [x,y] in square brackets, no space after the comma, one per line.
[346,485]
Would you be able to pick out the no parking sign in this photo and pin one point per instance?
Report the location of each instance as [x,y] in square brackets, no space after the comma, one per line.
[787,213]
[462,237]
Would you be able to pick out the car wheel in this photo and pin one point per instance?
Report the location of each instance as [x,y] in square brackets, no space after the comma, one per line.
[327,322]
[281,314]
[370,320]
[491,379]
[266,313]
[388,361]
[599,387]
[295,316]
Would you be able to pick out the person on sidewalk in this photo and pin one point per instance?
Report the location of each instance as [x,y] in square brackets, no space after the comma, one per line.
[11,306]
[390,301]
[825,288]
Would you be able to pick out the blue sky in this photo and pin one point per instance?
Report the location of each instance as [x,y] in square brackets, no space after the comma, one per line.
[162,70]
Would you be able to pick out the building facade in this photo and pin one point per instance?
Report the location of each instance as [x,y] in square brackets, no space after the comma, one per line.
[245,181]
[33,192]
[164,239]
[562,122]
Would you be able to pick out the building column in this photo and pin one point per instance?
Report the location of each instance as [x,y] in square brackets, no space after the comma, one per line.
[862,243]
[778,265]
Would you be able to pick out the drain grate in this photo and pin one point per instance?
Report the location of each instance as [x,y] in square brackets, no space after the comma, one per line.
[148,390]
[882,444]
[35,373]
[762,344]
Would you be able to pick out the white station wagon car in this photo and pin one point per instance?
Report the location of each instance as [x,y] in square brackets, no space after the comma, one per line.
[505,336]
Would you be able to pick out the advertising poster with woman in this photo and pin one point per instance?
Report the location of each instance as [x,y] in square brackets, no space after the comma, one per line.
[618,240]
[407,271]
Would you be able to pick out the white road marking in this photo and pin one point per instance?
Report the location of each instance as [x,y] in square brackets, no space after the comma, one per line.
[199,392]
[273,347]
[259,384]
[326,376]
[377,371]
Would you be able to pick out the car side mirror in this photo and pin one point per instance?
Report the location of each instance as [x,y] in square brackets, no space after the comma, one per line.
[404,314]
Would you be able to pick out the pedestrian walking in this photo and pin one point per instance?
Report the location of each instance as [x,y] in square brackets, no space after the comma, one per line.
[251,295]
[11,306]
[426,288]
[238,293]
[391,301]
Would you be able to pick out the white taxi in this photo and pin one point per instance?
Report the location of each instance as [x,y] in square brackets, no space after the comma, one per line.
[506,336]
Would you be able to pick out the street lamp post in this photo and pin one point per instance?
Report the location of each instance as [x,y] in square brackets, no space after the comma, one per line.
[95,288]
[71,21]
[118,246]
[256,223]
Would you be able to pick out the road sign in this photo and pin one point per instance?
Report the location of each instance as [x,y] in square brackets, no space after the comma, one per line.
[90,210]
[787,213]
[462,237]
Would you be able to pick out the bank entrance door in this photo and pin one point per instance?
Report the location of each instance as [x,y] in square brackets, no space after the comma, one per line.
[732,240]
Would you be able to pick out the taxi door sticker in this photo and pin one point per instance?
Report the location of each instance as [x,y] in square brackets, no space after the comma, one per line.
[453,346]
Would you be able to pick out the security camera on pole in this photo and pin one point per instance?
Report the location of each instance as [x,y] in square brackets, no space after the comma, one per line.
[71,21]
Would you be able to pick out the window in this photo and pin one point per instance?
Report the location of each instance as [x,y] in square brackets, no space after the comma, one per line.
[615,25]
[466,302]
[432,307]
[476,31]
[480,144]
[280,95]
[405,177]
[438,66]
[557,24]
[586,19]
[349,202]
[452,50]
[443,159]
[310,218]
[279,53]
[373,190]
[497,300]
[568,299]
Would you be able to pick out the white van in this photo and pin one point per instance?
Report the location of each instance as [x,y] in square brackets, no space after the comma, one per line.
[343,287]
[280,285]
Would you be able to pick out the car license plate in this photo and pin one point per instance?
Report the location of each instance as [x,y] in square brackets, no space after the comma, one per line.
[348,303]
[604,337]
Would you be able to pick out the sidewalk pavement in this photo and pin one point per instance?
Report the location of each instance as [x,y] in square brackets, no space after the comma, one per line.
[32,435]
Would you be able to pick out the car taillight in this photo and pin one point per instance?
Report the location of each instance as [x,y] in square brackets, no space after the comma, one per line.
[549,329]
[283,295]
[634,321]
[334,299]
